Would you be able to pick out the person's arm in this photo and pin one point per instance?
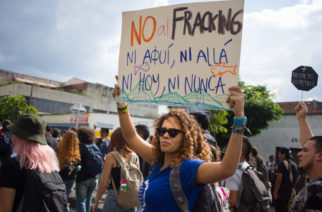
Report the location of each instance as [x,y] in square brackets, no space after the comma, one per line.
[233,183]
[278,182]
[210,172]
[233,198]
[136,143]
[304,127]
[7,198]
[105,178]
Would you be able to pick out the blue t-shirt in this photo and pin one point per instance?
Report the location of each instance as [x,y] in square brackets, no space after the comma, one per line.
[155,194]
[103,145]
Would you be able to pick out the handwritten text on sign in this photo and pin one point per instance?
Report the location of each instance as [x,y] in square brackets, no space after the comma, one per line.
[183,55]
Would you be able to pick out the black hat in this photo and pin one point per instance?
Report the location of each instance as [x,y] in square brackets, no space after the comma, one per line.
[30,127]
[202,116]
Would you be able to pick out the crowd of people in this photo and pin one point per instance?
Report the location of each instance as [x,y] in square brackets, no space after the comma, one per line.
[179,145]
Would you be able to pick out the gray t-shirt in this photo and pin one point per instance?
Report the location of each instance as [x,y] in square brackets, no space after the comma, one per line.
[233,182]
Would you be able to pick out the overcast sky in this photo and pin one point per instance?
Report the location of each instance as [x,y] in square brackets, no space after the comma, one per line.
[61,39]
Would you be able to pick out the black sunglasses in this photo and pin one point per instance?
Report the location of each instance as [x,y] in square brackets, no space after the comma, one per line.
[171,131]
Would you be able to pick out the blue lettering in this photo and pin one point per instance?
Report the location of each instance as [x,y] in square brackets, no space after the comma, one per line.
[125,82]
[141,82]
[201,54]
[220,85]
[148,84]
[173,84]
[147,55]
[188,84]
[209,83]
[223,54]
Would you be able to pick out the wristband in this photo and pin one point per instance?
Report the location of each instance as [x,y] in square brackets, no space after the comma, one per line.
[240,122]
[122,110]
[239,125]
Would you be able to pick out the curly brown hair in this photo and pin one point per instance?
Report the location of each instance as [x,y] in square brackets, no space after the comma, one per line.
[68,149]
[193,145]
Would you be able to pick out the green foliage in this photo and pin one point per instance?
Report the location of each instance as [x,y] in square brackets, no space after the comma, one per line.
[74,90]
[14,82]
[13,106]
[259,109]
[217,124]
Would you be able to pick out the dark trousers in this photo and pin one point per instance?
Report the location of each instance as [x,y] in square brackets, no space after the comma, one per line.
[281,204]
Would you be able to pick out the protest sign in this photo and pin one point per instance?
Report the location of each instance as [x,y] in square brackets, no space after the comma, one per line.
[181,55]
[304,78]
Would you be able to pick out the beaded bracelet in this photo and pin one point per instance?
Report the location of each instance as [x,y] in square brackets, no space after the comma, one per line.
[122,110]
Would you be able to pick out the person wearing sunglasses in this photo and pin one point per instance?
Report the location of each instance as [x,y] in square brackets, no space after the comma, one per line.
[178,140]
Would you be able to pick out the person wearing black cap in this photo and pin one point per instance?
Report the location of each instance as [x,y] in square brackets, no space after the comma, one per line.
[203,118]
[287,175]
[31,154]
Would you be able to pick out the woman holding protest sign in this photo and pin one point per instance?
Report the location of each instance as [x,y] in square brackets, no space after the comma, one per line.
[178,141]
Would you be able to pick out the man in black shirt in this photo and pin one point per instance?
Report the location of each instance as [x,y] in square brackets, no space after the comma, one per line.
[51,141]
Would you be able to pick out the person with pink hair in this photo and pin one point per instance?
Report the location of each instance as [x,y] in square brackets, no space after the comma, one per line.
[30,152]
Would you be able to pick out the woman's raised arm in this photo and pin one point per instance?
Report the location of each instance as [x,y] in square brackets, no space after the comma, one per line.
[137,144]
[215,171]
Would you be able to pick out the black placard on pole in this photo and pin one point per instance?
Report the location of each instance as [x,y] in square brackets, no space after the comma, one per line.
[304,78]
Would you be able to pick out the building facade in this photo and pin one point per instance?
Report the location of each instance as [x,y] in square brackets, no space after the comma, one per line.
[52,97]
[285,133]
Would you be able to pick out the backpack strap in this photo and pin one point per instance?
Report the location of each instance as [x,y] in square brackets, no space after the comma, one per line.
[176,189]
[114,187]
[118,158]
[133,158]
[242,167]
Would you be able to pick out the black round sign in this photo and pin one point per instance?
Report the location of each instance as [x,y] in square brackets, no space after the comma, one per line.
[304,78]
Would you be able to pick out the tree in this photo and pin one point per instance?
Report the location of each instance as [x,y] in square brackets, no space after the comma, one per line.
[259,109]
[13,106]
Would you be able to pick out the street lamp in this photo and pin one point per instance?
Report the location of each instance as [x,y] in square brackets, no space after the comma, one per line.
[78,109]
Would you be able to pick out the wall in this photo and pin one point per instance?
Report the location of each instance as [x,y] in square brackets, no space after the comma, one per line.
[96,100]
[6,76]
[97,117]
[44,93]
[98,97]
[284,133]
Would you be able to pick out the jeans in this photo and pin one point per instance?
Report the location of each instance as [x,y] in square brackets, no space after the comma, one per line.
[84,191]
[69,184]
[111,205]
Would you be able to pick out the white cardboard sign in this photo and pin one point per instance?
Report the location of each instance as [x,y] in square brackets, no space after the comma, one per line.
[182,55]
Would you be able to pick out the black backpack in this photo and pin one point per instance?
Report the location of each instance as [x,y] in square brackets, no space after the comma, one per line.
[253,194]
[93,162]
[44,192]
[6,145]
[207,199]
